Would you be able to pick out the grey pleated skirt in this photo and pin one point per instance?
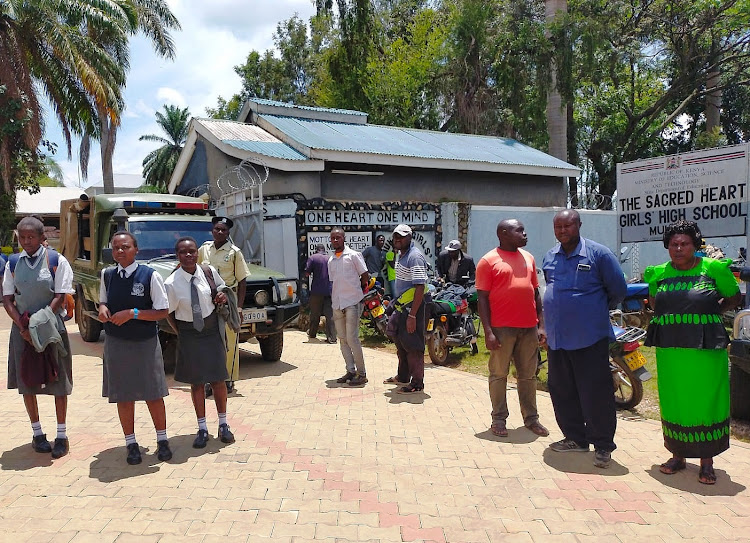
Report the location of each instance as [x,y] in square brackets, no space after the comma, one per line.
[202,355]
[64,384]
[133,370]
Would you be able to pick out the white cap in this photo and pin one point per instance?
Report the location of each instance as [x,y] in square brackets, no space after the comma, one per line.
[453,245]
[402,230]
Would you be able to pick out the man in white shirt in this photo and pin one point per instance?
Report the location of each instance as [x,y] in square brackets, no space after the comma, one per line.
[348,274]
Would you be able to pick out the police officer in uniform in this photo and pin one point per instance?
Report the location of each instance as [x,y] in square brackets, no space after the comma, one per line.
[227,258]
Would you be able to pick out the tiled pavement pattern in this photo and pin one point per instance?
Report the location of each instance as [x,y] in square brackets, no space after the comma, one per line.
[316,461]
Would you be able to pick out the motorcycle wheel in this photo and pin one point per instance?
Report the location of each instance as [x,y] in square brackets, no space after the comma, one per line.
[380,325]
[436,346]
[628,388]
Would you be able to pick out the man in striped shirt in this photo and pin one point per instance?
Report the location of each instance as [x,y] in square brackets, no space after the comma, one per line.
[411,278]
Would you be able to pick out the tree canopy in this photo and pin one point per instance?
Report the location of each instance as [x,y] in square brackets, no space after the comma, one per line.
[160,163]
[639,78]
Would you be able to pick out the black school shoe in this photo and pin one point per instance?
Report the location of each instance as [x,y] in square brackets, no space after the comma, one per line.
[61,447]
[134,454]
[225,434]
[40,444]
[201,439]
[163,452]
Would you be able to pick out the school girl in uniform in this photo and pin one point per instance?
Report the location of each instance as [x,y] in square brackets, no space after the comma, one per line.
[132,298]
[202,353]
[32,286]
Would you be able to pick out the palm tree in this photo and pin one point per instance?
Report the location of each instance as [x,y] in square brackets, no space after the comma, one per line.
[154,19]
[160,163]
[44,50]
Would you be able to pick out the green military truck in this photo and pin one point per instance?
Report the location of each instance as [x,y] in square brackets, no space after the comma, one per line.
[158,221]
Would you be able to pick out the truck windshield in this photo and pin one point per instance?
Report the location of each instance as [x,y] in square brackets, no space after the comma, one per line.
[157,238]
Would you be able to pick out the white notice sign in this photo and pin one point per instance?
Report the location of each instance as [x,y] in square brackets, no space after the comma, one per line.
[709,187]
[359,241]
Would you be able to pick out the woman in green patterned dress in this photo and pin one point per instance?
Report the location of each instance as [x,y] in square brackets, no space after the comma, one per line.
[689,293]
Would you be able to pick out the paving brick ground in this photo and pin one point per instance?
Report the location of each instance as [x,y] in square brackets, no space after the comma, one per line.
[317,461]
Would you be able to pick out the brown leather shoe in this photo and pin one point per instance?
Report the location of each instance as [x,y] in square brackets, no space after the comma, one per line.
[538,429]
[498,429]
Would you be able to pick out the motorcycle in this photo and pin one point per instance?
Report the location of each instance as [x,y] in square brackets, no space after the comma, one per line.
[635,307]
[373,307]
[451,320]
[626,363]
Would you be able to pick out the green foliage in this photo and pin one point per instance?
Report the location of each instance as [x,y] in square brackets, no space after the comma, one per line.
[226,109]
[635,75]
[402,82]
[160,163]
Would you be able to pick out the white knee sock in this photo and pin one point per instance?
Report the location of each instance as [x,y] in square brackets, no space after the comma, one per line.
[37,428]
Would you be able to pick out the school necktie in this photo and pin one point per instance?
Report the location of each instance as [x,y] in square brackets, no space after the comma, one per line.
[196,304]
[122,274]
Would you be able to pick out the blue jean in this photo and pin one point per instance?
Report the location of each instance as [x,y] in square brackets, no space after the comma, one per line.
[347,330]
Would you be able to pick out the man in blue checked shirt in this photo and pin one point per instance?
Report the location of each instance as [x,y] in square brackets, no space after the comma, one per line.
[584,281]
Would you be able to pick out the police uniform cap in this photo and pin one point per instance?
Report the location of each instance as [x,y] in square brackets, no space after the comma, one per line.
[224,220]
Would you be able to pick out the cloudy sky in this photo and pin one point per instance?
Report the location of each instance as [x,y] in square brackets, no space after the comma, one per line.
[216,36]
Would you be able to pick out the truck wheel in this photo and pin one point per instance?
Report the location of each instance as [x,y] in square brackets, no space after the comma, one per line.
[739,393]
[169,348]
[89,328]
[271,347]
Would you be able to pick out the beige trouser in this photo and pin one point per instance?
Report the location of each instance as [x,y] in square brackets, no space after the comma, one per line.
[233,355]
[522,345]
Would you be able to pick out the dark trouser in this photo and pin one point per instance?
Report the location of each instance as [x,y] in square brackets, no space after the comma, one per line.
[410,355]
[321,305]
[580,386]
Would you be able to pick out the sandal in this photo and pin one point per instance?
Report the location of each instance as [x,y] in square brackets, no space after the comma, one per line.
[672,466]
[409,389]
[393,381]
[706,475]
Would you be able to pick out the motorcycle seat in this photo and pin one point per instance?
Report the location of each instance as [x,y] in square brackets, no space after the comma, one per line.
[442,306]
[639,290]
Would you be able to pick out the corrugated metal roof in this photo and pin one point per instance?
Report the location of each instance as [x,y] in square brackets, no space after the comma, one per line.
[406,142]
[46,201]
[249,137]
[267,148]
[232,130]
[290,105]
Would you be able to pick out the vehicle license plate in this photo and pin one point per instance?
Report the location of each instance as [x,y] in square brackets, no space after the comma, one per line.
[377,311]
[635,360]
[430,325]
[254,315]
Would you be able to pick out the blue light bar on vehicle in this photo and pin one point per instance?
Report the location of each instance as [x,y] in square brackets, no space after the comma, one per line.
[150,206]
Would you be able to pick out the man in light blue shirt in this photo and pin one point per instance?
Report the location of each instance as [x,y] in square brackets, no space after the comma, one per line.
[584,281]
[348,274]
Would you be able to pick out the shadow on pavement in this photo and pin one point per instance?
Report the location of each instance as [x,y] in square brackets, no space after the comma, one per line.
[23,457]
[110,466]
[687,481]
[86,348]
[578,462]
[257,368]
[515,435]
[414,398]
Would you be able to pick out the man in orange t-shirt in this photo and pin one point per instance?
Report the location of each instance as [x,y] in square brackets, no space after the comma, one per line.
[511,313]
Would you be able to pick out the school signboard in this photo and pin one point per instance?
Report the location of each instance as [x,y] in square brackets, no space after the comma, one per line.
[709,187]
